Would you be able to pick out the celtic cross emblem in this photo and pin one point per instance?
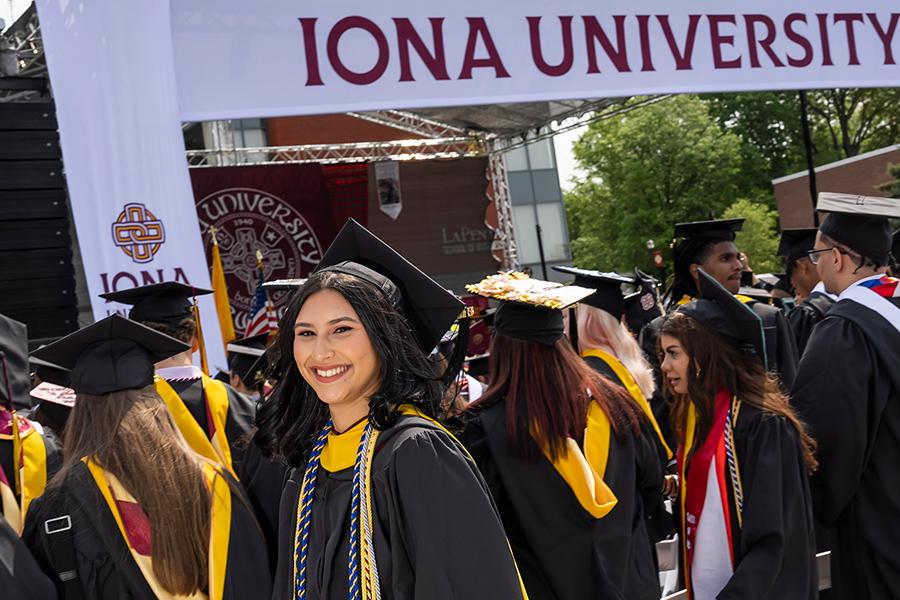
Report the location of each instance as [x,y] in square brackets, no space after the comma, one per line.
[138,232]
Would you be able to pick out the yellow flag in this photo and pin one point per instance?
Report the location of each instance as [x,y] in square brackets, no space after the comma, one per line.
[220,294]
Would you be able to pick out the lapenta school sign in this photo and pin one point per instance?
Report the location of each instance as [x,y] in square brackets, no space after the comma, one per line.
[352,55]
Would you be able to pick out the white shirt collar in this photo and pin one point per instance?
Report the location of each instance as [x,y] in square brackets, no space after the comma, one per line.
[820,287]
[182,373]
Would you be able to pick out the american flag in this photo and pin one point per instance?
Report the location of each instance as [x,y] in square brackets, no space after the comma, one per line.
[262,313]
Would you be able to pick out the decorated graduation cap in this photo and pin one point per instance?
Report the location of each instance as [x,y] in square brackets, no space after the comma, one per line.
[795,243]
[429,308]
[530,309]
[113,354]
[642,306]
[719,310]
[167,303]
[608,294]
[246,357]
[14,380]
[860,223]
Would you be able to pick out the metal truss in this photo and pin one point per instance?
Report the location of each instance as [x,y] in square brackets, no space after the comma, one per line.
[454,147]
[22,56]
[505,235]
[411,122]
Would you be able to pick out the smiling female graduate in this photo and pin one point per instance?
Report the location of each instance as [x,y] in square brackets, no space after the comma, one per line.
[134,512]
[743,456]
[382,501]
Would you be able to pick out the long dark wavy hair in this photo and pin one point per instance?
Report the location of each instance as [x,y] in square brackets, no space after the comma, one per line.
[716,365]
[292,417]
[550,387]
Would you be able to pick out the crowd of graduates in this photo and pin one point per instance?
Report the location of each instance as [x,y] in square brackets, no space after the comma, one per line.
[358,453]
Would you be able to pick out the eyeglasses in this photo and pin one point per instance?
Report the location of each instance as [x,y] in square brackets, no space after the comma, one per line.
[813,255]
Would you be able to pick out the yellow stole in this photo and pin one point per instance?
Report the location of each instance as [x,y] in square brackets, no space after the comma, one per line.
[219,538]
[685,299]
[30,478]
[214,448]
[631,385]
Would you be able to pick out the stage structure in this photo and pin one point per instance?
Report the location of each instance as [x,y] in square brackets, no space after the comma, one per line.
[124,68]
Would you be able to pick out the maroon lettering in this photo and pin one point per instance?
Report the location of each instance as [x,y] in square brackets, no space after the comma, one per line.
[766,43]
[479,29]
[886,37]
[408,36]
[618,54]
[537,52]
[104,279]
[682,58]
[798,39]
[849,19]
[147,277]
[717,39]
[334,38]
[644,35]
[181,276]
[311,51]
[823,36]
[123,275]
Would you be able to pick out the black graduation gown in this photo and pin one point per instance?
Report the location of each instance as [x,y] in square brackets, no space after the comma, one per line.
[648,340]
[659,522]
[102,560]
[260,477]
[563,552]
[775,555]
[20,576]
[806,315]
[781,347]
[436,532]
[848,393]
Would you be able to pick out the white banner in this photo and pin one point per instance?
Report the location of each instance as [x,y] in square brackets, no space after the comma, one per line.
[282,57]
[110,64]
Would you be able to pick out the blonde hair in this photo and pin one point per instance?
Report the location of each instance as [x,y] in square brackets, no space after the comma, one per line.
[599,330]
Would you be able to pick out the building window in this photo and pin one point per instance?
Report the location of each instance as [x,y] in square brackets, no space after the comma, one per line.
[249,133]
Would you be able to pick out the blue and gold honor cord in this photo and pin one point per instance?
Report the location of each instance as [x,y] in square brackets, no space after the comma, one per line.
[362,569]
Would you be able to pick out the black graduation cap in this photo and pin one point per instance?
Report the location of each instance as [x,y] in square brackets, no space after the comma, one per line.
[608,295]
[860,223]
[759,294]
[14,379]
[642,306]
[246,356]
[795,243]
[478,365]
[113,354]
[430,309]
[167,303]
[716,229]
[895,248]
[728,317]
[47,371]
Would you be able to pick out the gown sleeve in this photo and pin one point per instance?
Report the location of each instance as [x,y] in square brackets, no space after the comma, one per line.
[650,460]
[802,320]
[776,557]
[786,348]
[21,577]
[831,395]
[450,529]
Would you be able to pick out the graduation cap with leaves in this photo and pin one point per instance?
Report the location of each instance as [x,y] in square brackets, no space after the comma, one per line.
[530,309]
[642,306]
[719,310]
[113,354]
[429,308]
[14,379]
[860,223]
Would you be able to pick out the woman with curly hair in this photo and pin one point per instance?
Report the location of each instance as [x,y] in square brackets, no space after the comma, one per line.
[381,501]
[743,456]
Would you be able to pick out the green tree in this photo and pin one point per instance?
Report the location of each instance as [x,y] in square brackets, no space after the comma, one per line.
[758,237]
[644,171]
[892,187]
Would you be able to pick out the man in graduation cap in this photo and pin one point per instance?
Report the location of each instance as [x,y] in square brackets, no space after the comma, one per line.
[28,456]
[812,301]
[214,418]
[848,392]
[709,246]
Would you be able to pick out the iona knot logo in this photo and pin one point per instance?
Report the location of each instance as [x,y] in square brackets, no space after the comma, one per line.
[138,232]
